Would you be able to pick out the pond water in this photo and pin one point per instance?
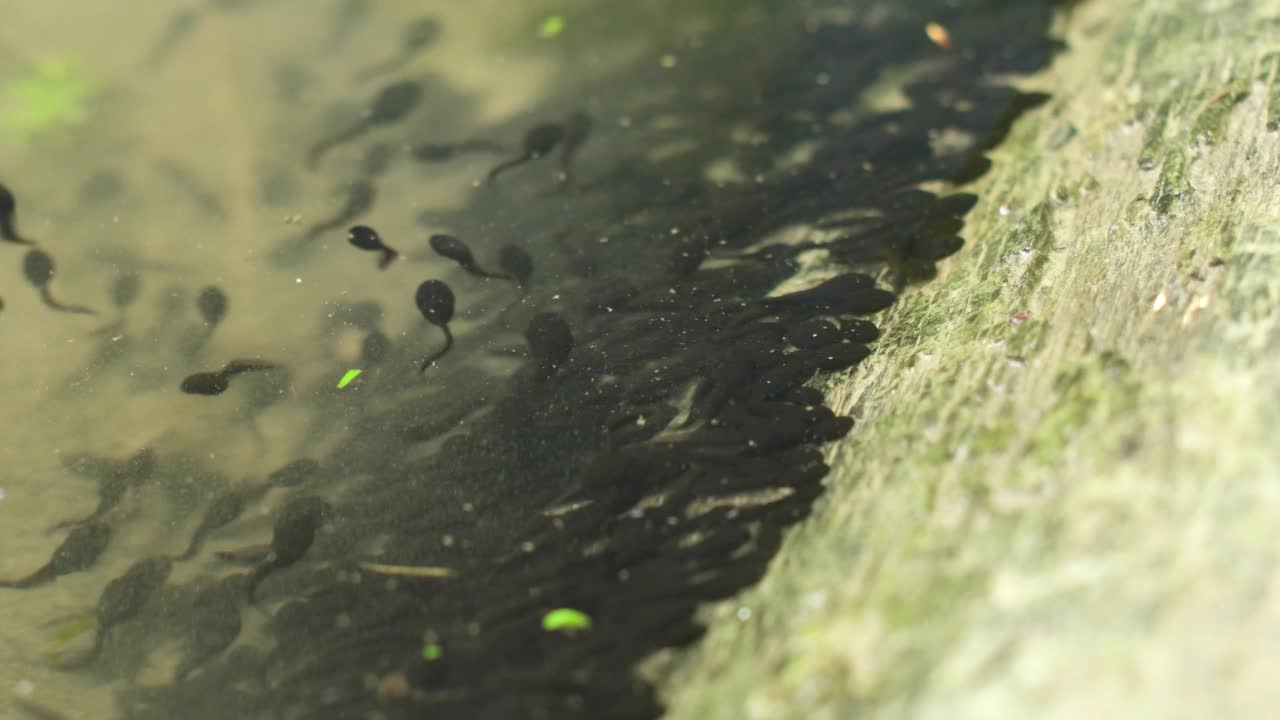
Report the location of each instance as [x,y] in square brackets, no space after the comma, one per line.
[655,223]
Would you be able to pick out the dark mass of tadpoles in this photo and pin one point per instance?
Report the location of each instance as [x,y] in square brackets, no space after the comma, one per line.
[643,458]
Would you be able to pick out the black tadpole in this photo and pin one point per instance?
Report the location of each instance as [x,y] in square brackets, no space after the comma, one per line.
[360,197]
[391,105]
[366,238]
[119,477]
[124,599]
[294,473]
[451,248]
[214,625]
[516,264]
[181,25]
[212,304]
[222,511]
[82,548]
[848,294]
[125,290]
[374,348]
[9,218]
[417,36]
[38,268]
[215,383]
[435,302]
[550,341]
[443,152]
[291,537]
[537,142]
[577,128]
[813,333]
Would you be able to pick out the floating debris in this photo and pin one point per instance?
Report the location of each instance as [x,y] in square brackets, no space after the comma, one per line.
[348,376]
[411,571]
[566,620]
[551,26]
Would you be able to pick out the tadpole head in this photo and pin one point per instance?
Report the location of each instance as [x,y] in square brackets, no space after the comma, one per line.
[435,302]
[516,262]
[450,247]
[37,267]
[364,237]
[395,102]
[212,304]
[125,290]
[549,338]
[421,33]
[434,152]
[543,139]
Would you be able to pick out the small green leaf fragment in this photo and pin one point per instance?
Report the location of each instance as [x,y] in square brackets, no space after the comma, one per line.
[432,652]
[351,375]
[551,26]
[566,620]
[74,628]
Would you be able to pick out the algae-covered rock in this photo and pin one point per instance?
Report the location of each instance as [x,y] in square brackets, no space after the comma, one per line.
[1061,498]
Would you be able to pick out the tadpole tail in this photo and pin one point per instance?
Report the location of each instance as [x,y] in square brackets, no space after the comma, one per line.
[192,549]
[36,579]
[373,71]
[256,578]
[448,343]
[72,523]
[245,556]
[111,329]
[474,269]
[90,656]
[35,710]
[9,233]
[53,304]
[480,146]
[505,166]
[236,367]
[319,229]
[388,256]
[318,151]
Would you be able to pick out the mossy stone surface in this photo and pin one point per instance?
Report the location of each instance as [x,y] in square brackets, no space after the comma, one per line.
[1062,494]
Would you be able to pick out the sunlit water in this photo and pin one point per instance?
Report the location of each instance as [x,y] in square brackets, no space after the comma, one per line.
[713,126]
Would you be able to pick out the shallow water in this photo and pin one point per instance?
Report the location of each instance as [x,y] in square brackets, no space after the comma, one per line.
[717,127]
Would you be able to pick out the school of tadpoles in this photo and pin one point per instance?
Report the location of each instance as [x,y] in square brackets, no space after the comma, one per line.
[643,457]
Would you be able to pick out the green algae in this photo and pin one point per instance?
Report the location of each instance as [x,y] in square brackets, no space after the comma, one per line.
[54,95]
[1026,493]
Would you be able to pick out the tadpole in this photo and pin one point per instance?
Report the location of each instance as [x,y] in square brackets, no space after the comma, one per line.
[215,383]
[416,37]
[366,238]
[223,510]
[391,105]
[442,152]
[550,341]
[9,218]
[435,302]
[117,479]
[539,141]
[124,599]
[212,303]
[291,537]
[452,248]
[38,268]
[577,128]
[516,263]
[77,553]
